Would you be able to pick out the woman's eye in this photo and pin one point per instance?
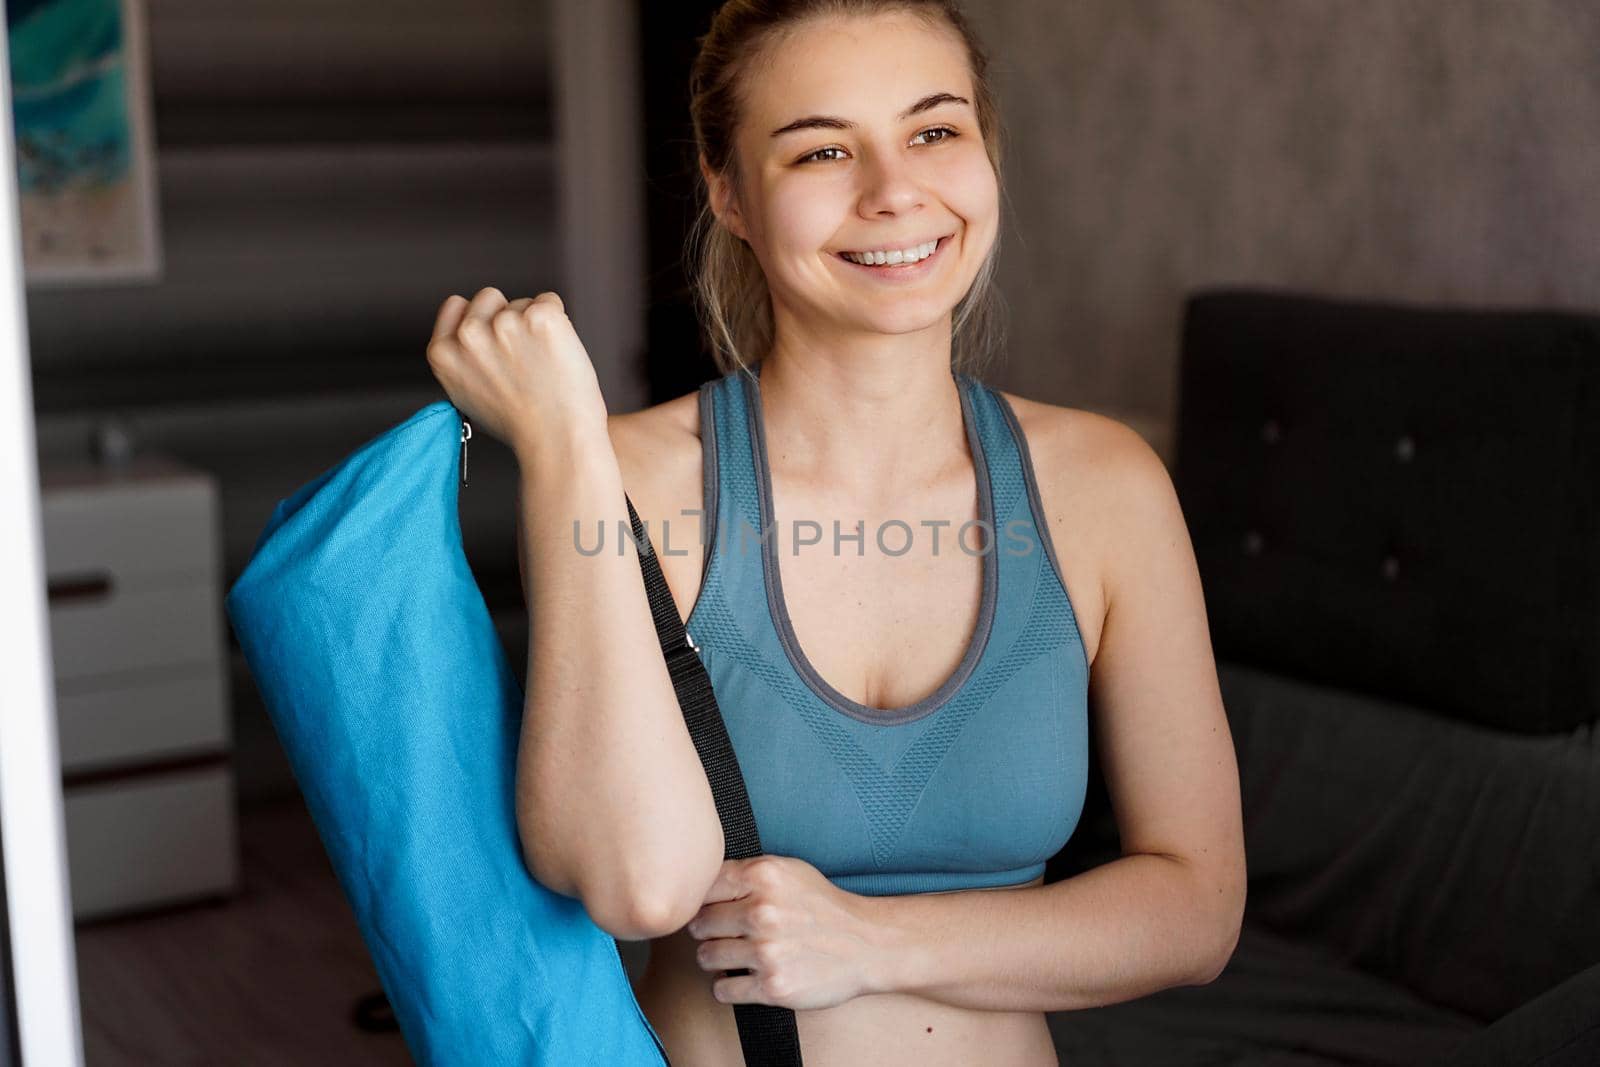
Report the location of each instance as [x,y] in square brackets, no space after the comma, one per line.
[818,152]
[949,134]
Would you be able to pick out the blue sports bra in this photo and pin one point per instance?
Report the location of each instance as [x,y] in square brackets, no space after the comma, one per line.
[975,785]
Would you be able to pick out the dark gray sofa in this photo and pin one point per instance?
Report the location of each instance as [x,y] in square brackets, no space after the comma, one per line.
[1396,514]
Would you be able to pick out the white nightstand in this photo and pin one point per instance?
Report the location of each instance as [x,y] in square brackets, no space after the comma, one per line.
[133,559]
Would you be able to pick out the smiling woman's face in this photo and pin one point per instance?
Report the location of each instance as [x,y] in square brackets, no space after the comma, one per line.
[880,150]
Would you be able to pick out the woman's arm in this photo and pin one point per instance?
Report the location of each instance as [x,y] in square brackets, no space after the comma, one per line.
[1135,926]
[1168,911]
[613,804]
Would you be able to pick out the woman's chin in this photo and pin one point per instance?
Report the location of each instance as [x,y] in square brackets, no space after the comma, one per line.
[904,319]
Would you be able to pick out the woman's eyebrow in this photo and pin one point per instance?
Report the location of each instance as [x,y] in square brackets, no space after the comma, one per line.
[831,122]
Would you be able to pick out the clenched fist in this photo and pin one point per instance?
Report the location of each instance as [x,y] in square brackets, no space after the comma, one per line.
[516,369]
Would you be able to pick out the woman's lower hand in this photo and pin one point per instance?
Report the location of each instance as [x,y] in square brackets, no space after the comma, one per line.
[516,368]
[807,943]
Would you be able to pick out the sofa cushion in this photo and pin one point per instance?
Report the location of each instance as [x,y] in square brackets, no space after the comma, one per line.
[1277,1002]
[1559,1028]
[1458,860]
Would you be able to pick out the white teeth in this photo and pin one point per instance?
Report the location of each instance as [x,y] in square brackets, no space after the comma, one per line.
[909,255]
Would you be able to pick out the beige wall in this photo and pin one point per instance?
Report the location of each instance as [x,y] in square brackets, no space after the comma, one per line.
[1416,150]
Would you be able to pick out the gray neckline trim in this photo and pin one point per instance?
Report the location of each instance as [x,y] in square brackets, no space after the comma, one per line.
[1041,520]
[774,585]
[709,483]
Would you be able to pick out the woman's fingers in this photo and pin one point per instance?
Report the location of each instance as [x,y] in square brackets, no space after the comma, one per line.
[485,304]
[449,317]
[456,309]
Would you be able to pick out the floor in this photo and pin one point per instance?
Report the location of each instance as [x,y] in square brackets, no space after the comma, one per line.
[266,979]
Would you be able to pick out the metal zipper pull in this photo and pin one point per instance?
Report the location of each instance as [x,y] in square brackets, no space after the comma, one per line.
[466,435]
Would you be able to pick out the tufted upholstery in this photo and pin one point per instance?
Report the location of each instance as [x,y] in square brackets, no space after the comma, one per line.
[1401,501]
[1396,515]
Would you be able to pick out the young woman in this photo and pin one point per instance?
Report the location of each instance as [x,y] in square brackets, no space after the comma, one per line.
[907,695]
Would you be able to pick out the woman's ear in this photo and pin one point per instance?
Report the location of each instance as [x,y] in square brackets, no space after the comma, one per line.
[723,203]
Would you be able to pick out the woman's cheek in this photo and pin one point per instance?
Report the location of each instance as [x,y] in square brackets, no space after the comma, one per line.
[975,192]
[805,212]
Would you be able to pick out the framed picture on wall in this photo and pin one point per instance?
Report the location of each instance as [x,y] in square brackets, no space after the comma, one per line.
[84,141]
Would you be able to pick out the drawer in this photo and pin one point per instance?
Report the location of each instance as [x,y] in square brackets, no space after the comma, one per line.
[154,530]
[128,630]
[141,842]
[185,712]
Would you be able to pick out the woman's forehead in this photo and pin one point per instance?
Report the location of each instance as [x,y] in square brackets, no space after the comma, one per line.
[859,69]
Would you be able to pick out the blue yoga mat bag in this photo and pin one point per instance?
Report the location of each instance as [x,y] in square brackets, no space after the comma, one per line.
[374,652]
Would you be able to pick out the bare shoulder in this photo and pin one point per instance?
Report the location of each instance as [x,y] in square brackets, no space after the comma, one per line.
[1084,452]
[658,452]
[658,433]
[1099,481]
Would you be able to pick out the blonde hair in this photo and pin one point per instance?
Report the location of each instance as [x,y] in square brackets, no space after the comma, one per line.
[730,288]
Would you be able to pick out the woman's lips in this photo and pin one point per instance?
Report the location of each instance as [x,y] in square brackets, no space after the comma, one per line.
[899,271]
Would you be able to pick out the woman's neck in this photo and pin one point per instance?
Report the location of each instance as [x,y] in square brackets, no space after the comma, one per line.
[870,428]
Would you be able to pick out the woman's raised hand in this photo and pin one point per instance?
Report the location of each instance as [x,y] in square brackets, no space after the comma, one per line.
[515,368]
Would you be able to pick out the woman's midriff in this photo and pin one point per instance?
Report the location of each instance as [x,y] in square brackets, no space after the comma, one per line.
[885,1029]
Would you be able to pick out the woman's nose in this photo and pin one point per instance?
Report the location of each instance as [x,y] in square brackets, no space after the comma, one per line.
[889,185]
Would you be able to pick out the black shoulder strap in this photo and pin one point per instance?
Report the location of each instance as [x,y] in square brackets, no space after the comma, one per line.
[766,1032]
